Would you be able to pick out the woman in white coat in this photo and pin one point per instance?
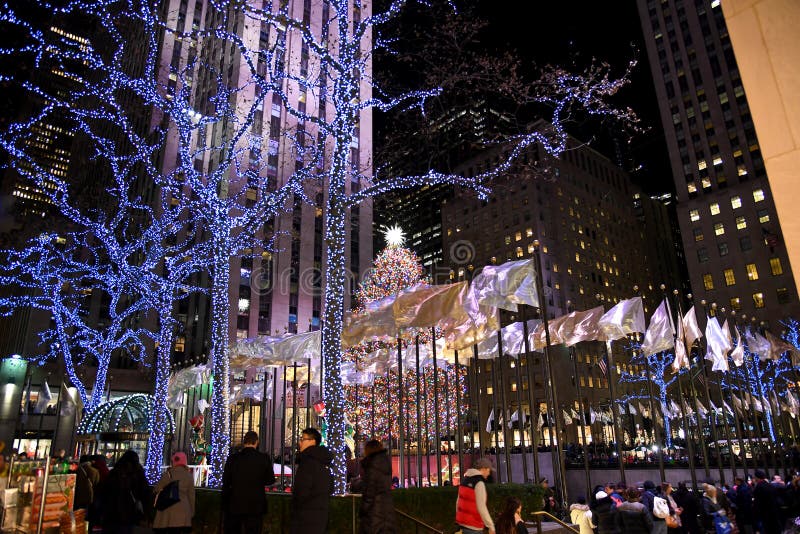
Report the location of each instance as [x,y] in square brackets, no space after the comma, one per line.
[178,517]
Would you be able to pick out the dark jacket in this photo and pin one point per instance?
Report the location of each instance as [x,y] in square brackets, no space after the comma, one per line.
[605,516]
[710,508]
[633,518]
[376,515]
[766,508]
[743,501]
[691,509]
[311,490]
[246,474]
[125,496]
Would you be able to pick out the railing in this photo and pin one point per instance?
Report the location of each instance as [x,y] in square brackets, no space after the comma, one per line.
[538,520]
[419,523]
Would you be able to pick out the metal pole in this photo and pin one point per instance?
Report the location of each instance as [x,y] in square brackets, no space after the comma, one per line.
[459,419]
[614,420]
[400,429]
[44,494]
[419,417]
[495,419]
[582,421]
[447,429]
[437,423]
[263,426]
[504,401]
[659,443]
[558,457]
[756,424]
[521,420]
[727,431]
[283,433]
[687,433]
[533,408]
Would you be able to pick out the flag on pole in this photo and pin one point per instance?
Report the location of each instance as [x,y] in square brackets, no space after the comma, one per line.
[691,328]
[44,398]
[507,285]
[681,357]
[540,422]
[718,345]
[659,336]
[777,346]
[737,354]
[757,344]
[514,418]
[68,403]
[626,317]
[592,415]
[576,416]
[602,363]
[567,418]
[632,409]
[490,421]
[642,408]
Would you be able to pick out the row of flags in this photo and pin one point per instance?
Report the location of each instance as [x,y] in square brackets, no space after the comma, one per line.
[68,400]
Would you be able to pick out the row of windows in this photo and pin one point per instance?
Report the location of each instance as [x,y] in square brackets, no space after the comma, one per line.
[752,273]
[736,203]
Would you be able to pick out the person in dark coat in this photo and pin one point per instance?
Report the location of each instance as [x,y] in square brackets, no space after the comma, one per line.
[743,502]
[605,514]
[633,516]
[126,495]
[376,515]
[312,485]
[246,474]
[691,508]
[765,505]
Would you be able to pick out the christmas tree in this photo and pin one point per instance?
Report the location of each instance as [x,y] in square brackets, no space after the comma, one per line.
[373,407]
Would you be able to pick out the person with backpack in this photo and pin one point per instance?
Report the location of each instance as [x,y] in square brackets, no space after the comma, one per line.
[649,499]
[177,517]
[715,514]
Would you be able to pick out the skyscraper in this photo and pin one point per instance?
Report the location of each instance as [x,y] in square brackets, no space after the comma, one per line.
[731,233]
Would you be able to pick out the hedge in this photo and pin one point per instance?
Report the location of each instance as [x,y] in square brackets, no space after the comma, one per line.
[434,506]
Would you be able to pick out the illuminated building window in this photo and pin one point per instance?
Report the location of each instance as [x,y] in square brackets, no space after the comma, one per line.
[763,216]
[577,257]
[736,303]
[714,208]
[708,281]
[736,202]
[519,252]
[758,300]
[694,215]
[530,248]
[691,188]
[730,279]
[741,223]
[752,271]
[701,165]
[698,234]
[529,232]
[775,266]
[758,195]
[706,183]
[518,236]
[508,240]
[719,229]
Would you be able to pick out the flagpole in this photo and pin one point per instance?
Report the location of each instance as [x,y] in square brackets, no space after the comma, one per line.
[400,430]
[532,406]
[496,415]
[477,401]
[559,466]
[714,434]
[419,415]
[756,424]
[459,420]
[614,421]
[582,420]
[506,442]
[521,420]
[725,418]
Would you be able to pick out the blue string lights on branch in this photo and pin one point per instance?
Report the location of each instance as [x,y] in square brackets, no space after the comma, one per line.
[194,129]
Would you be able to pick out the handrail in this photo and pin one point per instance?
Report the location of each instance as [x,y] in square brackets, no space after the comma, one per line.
[418,522]
[554,518]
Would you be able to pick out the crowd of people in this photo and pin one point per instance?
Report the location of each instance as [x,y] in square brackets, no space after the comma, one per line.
[758,505]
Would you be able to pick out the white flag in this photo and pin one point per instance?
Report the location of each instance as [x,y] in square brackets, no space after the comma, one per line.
[681,357]
[691,328]
[626,317]
[507,285]
[592,416]
[659,336]
[514,418]
[642,409]
[737,355]
[490,421]
[540,422]
[576,416]
[44,398]
[632,409]
[718,346]
[757,344]
[567,418]
[68,403]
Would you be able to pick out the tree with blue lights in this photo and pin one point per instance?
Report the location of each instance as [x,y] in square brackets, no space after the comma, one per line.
[658,363]
[197,135]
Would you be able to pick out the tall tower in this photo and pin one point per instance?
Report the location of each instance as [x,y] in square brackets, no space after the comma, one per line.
[274,289]
[732,237]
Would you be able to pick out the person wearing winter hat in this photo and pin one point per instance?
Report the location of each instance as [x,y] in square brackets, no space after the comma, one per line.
[580,515]
[178,517]
[604,514]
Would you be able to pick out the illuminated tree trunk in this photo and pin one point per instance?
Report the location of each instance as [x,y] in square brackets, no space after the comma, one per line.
[100,379]
[220,403]
[158,415]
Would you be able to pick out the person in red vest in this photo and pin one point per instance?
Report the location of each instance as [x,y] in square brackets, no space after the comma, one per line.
[472,515]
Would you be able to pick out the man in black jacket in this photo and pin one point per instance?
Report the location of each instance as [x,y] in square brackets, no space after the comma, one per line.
[243,500]
[765,505]
[312,485]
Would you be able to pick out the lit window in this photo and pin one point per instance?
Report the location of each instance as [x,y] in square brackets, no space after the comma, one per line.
[519,252]
[758,300]
[763,216]
[577,257]
[694,215]
[544,249]
[752,271]
[701,165]
[758,195]
[518,236]
[714,208]
[741,223]
[736,303]
[741,170]
[706,183]
[775,266]
[692,188]
[717,161]
[555,267]
[708,281]
[530,248]
[736,202]
[508,240]
[730,279]
[719,229]
[529,232]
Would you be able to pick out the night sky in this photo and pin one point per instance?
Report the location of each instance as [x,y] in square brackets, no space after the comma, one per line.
[572,32]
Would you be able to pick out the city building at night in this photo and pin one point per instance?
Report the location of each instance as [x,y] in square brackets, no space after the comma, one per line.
[735,248]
